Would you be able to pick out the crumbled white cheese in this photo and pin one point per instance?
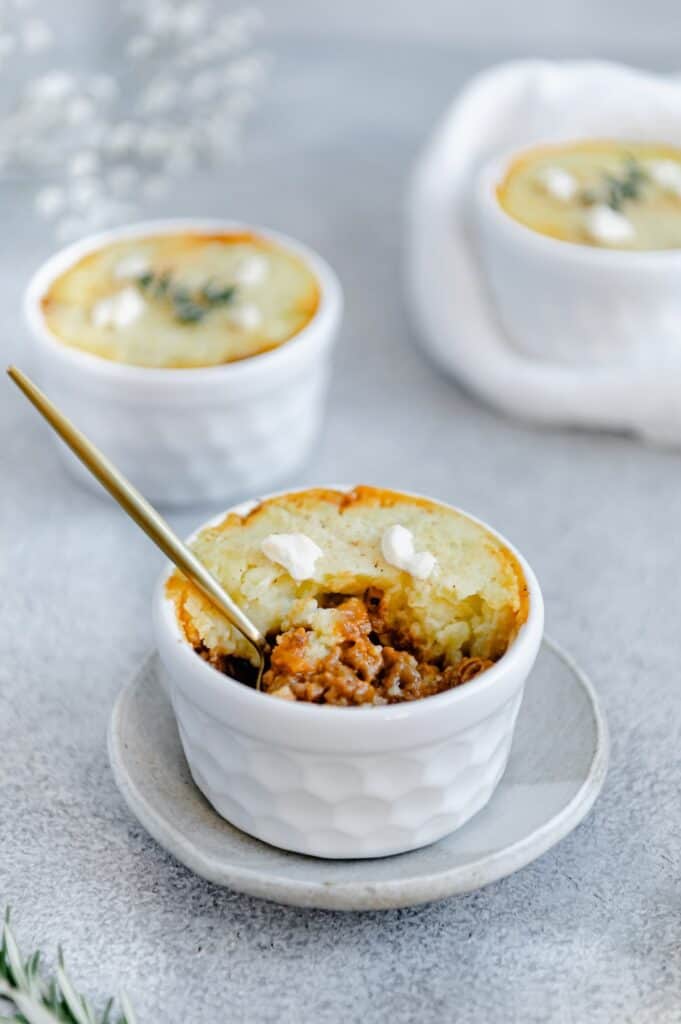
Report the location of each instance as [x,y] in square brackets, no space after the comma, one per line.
[247,316]
[284,693]
[395,688]
[119,310]
[666,174]
[252,271]
[133,265]
[296,552]
[559,183]
[397,547]
[608,226]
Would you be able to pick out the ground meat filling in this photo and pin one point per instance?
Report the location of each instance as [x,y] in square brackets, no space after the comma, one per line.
[370,663]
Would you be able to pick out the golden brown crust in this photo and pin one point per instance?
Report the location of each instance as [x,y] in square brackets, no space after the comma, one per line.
[177,588]
[362,495]
[66,293]
[365,496]
[523,589]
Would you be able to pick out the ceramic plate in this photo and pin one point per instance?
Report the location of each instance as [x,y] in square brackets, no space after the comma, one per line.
[555,772]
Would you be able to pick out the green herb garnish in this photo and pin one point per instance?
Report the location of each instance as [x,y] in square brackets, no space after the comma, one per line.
[615,189]
[162,284]
[218,295]
[145,280]
[32,1000]
[188,312]
[188,307]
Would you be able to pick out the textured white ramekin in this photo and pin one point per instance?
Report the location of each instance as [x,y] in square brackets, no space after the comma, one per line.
[576,304]
[191,436]
[345,782]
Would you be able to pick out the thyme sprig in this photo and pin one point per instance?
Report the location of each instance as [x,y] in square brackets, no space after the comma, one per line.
[614,190]
[33,1000]
[187,306]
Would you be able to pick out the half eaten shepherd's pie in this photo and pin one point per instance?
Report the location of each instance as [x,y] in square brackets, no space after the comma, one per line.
[366,596]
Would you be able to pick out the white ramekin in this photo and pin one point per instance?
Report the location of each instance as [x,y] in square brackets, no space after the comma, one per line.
[191,436]
[576,304]
[345,782]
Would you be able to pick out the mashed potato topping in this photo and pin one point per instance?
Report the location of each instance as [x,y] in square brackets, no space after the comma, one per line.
[182,300]
[360,630]
[604,193]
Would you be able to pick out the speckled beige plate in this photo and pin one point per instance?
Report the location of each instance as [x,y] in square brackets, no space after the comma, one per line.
[555,772]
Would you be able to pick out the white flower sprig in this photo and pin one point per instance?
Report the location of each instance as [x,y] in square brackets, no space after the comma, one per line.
[106,143]
[37,1001]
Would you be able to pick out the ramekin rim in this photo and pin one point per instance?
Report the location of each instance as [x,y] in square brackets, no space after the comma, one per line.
[489,176]
[165,617]
[329,309]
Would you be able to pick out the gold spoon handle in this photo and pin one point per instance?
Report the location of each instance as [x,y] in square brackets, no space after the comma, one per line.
[139,509]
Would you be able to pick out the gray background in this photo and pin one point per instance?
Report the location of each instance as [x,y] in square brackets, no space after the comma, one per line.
[590,932]
[485,23]
[603,25]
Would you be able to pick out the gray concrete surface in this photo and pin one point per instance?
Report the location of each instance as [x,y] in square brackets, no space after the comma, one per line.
[589,934]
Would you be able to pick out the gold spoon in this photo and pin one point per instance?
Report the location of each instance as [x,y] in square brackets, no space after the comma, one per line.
[144,514]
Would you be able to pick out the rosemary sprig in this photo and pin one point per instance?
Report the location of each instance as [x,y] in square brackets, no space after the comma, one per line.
[615,190]
[33,1000]
[216,294]
[187,306]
